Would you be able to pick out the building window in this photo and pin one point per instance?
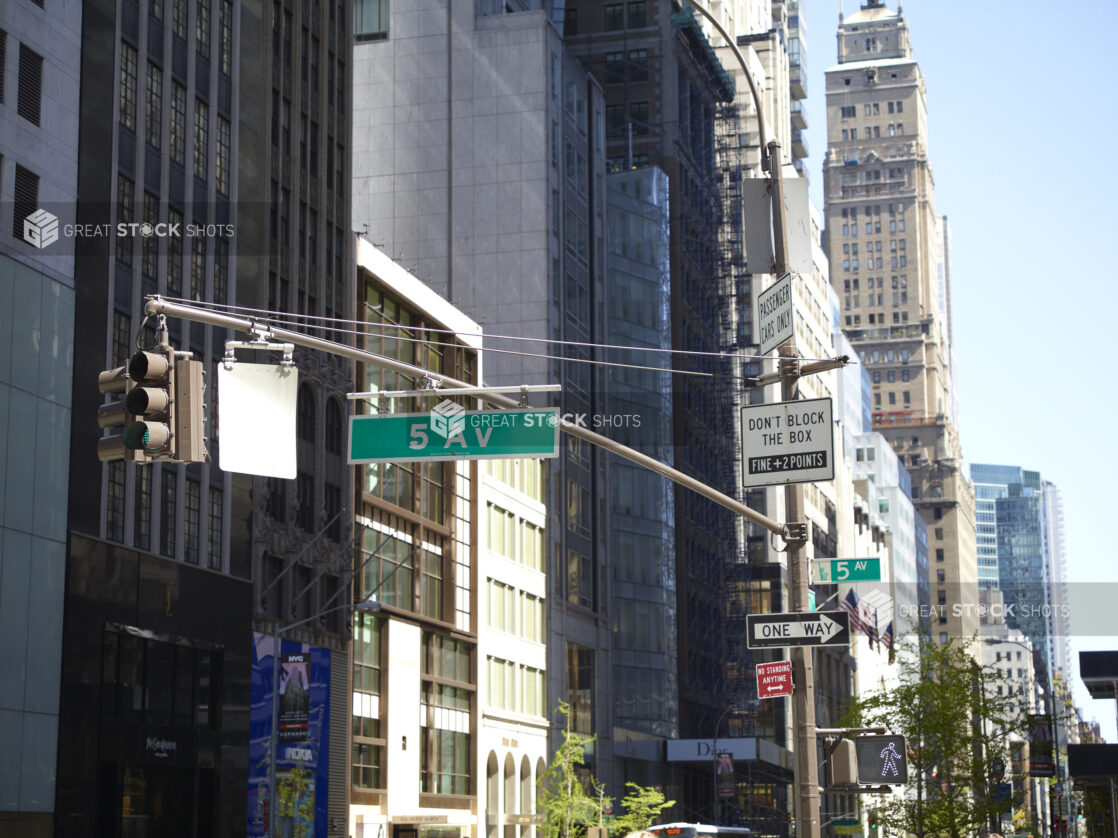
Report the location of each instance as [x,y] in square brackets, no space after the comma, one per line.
[221,270]
[197,268]
[149,245]
[124,199]
[389,570]
[201,138]
[638,64]
[615,67]
[580,687]
[226,58]
[153,106]
[174,255]
[127,86]
[580,579]
[192,522]
[941,575]
[115,503]
[170,480]
[638,116]
[370,20]
[445,716]
[304,487]
[939,554]
[202,27]
[224,145]
[368,743]
[638,14]
[216,517]
[178,123]
[333,427]
[613,17]
[179,12]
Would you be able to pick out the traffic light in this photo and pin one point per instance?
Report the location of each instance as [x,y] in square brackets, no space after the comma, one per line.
[882,759]
[842,765]
[115,415]
[188,410]
[874,823]
[150,400]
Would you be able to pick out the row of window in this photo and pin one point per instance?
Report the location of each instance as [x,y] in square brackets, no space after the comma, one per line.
[893,399]
[622,67]
[515,687]
[444,712]
[514,538]
[895,245]
[854,300]
[891,376]
[153,118]
[878,263]
[525,475]
[515,612]
[871,132]
[871,109]
[198,544]
[877,319]
[898,282]
[896,225]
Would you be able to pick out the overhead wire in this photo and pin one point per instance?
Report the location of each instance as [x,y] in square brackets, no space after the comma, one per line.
[288,319]
[296,321]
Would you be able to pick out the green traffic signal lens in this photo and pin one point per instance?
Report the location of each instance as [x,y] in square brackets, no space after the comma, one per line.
[136,436]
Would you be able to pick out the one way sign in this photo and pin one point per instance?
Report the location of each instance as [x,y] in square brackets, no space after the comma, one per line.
[810,628]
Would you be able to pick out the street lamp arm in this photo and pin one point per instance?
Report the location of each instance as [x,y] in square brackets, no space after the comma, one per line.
[748,77]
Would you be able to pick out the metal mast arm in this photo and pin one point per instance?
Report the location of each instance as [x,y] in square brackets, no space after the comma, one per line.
[157,305]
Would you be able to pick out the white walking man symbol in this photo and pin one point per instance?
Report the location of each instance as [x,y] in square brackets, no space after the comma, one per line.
[890,755]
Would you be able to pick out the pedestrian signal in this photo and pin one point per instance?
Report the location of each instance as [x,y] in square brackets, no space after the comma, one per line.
[882,759]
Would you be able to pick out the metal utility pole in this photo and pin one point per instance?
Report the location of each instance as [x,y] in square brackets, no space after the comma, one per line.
[803,697]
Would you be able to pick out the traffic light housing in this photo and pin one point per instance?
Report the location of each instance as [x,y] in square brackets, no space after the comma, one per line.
[874,823]
[152,404]
[882,759]
[161,415]
[115,415]
[842,765]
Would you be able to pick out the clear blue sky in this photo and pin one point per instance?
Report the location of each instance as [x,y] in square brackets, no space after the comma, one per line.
[1023,141]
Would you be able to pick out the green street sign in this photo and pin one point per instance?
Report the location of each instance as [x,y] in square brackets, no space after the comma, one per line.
[830,571]
[451,433]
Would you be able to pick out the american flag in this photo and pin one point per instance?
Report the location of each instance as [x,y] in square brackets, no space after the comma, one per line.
[851,605]
[887,637]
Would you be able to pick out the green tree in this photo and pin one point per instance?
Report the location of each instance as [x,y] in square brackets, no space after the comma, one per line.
[956,726]
[642,805]
[569,795]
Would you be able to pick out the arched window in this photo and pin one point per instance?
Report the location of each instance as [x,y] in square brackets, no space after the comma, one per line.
[305,414]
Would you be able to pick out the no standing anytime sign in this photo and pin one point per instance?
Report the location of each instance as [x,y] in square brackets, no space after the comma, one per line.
[788,442]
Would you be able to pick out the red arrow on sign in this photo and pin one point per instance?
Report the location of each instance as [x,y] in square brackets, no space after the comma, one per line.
[774,679]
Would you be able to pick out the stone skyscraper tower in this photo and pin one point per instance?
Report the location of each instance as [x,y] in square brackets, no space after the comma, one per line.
[890,264]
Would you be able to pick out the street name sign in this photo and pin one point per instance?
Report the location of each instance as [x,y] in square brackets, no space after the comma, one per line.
[774,679]
[829,571]
[800,628]
[450,433]
[788,442]
[774,308]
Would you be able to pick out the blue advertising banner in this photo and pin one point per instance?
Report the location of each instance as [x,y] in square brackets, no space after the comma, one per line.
[303,759]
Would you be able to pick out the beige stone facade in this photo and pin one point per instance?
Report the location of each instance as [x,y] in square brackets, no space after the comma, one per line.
[890,266]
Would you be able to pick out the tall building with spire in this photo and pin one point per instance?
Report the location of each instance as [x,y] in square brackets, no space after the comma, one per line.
[889,255]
